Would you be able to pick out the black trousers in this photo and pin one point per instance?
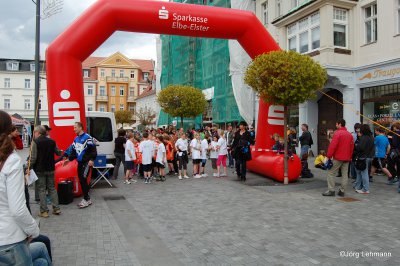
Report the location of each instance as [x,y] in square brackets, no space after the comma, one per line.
[241,168]
[394,166]
[84,185]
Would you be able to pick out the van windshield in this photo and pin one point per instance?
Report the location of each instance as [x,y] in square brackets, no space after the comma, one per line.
[100,128]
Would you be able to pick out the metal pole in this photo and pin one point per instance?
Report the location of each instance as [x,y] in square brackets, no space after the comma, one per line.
[37,63]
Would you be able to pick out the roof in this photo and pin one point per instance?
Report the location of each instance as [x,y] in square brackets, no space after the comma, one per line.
[147,92]
[91,61]
[24,64]
[145,65]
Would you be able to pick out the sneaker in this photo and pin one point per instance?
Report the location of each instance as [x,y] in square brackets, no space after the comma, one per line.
[132,181]
[127,182]
[223,175]
[185,176]
[180,177]
[392,181]
[44,214]
[89,201]
[362,192]
[83,204]
[204,175]
[215,174]
[56,211]
[197,176]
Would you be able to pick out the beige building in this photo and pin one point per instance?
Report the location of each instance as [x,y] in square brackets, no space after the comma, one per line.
[114,83]
[358,42]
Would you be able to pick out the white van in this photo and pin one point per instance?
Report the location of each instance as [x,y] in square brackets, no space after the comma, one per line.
[102,127]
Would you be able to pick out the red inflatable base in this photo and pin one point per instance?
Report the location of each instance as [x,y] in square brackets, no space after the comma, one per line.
[69,171]
[270,164]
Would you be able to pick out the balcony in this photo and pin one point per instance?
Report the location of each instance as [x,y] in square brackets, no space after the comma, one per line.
[131,99]
[102,98]
[118,79]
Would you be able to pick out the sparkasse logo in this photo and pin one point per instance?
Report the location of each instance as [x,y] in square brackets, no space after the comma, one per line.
[163,13]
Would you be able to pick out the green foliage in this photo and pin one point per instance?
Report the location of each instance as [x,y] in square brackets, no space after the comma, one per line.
[146,116]
[285,77]
[182,101]
[123,116]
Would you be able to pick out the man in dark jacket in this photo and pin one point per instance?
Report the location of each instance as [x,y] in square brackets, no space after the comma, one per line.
[42,161]
[241,150]
[341,151]
[83,149]
[229,140]
[305,140]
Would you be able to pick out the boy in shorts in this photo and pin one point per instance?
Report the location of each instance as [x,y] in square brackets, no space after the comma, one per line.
[146,148]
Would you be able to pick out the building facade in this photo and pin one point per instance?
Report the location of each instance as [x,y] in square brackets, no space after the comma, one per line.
[358,42]
[17,88]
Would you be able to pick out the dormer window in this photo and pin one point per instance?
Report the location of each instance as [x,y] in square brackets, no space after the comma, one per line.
[32,67]
[85,73]
[12,65]
[145,75]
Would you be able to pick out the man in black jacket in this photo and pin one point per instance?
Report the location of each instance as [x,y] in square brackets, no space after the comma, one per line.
[241,150]
[305,140]
[42,161]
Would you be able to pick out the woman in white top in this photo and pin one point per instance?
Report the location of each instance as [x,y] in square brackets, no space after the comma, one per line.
[195,147]
[204,151]
[161,157]
[181,146]
[214,154]
[130,157]
[17,227]
[222,153]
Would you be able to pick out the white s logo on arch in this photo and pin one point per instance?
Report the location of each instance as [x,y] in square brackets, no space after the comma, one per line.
[66,113]
[163,13]
[275,115]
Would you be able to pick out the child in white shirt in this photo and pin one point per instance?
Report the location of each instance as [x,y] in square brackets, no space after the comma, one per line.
[222,153]
[214,154]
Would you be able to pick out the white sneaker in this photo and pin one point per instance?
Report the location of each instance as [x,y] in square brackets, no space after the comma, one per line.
[180,177]
[215,174]
[223,175]
[204,175]
[185,176]
[127,182]
[197,176]
[89,202]
[83,204]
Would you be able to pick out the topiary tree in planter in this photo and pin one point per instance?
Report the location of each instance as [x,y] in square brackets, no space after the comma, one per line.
[285,78]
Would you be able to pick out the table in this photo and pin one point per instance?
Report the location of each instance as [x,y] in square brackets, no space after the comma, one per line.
[102,170]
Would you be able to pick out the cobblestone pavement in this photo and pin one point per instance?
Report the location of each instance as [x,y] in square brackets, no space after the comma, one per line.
[212,221]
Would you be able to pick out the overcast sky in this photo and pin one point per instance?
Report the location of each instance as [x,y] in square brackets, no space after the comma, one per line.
[17,31]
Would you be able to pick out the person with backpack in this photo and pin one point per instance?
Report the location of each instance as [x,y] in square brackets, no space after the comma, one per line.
[305,140]
[241,150]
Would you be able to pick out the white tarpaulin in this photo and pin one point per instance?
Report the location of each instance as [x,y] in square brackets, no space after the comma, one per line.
[239,60]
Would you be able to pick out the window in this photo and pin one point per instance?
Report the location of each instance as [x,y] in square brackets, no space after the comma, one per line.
[12,66]
[113,73]
[112,90]
[85,73]
[121,107]
[100,128]
[7,83]
[145,75]
[340,27]
[113,108]
[27,104]
[371,23]
[132,74]
[278,8]
[264,14]
[121,90]
[90,107]
[121,73]
[304,35]
[27,83]
[32,67]
[102,91]
[7,104]
[101,109]
[102,73]
[131,91]
[90,90]
[132,108]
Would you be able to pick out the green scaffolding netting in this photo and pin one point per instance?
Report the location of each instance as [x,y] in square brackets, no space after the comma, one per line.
[202,63]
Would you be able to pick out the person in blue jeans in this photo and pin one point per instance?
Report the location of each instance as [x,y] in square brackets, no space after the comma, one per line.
[305,140]
[382,148]
[364,150]
[40,256]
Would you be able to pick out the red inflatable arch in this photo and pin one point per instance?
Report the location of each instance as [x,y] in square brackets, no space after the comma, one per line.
[65,55]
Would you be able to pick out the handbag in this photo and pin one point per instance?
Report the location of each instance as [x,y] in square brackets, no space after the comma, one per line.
[360,163]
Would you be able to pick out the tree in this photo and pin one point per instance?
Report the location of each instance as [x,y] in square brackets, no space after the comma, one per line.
[146,116]
[123,116]
[285,78]
[182,101]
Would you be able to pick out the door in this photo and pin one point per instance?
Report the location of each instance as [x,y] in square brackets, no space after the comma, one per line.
[329,111]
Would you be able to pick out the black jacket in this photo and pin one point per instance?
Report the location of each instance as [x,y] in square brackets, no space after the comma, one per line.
[241,146]
[43,154]
[306,139]
[365,147]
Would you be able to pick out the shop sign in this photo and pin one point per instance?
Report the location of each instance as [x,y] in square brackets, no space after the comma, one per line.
[379,73]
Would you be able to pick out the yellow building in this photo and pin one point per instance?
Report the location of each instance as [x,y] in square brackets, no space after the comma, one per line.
[113,83]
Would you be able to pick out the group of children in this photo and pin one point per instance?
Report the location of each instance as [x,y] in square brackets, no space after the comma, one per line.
[152,154]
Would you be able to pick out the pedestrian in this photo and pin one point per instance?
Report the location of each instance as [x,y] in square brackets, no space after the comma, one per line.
[195,148]
[382,149]
[356,139]
[119,152]
[129,158]
[241,150]
[305,171]
[42,161]
[17,225]
[305,140]
[83,149]
[222,154]
[39,253]
[204,152]
[229,136]
[181,146]
[214,154]
[16,138]
[393,158]
[146,147]
[170,153]
[292,140]
[340,150]
[364,151]
[161,158]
